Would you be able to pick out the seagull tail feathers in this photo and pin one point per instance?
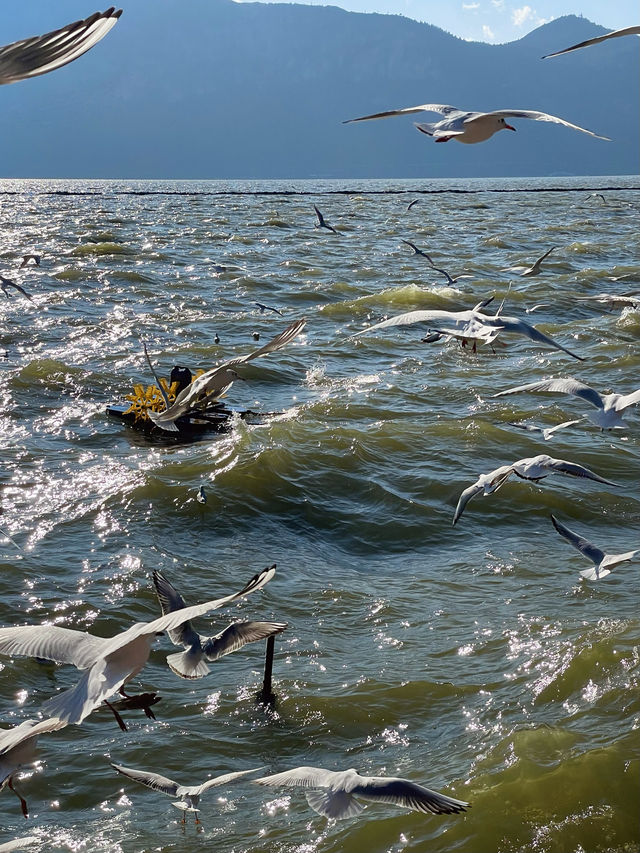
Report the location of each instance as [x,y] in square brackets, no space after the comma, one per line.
[334,805]
[158,420]
[188,665]
[594,574]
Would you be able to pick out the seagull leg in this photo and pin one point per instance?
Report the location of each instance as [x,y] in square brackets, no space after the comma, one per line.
[23,802]
[119,719]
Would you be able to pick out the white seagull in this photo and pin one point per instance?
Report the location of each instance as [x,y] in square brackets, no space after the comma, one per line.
[335,794]
[459,319]
[631,300]
[603,563]
[532,468]
[189,794]
[534,269]
[18,748]
[609,406]
[210,386]
[41,54]
[546,432]
[470,127]
[614,34]
[192,663]
[107,663]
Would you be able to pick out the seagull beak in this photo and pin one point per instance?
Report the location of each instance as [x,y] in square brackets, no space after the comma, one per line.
[508,126]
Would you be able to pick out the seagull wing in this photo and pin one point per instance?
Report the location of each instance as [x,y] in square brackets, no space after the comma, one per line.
[626,31]
[237,635]
[196,790]
[562,386]
[519,327]
[464,499]
[301,777]
[537,116]
[171,600]
[41,54]
[624,401]
[51,642]
[409,795]
[281,340]
[583,545]
[561,466]
[413,317]
[320,216]
[10,738]
[151,780]
[546,255]
[443,109]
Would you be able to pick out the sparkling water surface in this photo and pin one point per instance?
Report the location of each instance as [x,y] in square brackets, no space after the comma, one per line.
[474,659]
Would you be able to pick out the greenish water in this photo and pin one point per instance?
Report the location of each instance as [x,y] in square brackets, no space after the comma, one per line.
[472,659]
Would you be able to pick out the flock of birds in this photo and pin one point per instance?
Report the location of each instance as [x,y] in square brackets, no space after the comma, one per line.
[108,664]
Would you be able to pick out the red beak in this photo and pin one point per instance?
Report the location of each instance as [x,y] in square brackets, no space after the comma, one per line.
[508,126]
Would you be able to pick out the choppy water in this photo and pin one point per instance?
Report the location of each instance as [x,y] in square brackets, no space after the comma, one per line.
[474,660]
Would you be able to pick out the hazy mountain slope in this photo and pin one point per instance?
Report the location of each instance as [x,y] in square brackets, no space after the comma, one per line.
[213,88]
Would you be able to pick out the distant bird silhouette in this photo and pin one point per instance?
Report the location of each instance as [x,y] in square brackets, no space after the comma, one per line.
[216,338]
[321,223]
[264,308]
[470,127]
[626,31]
[450,278]
[6,283]
[41,54]
[534,269]
[411,203]
[27,258]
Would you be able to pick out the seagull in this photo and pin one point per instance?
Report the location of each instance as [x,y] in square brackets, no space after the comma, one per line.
[27,258]
[451,279]
[614,34]
[611,299]
[321,223]
[335,794]
[411,203]
[546,432]
[509,325]
[18,747]
[470,127]
[534,269]
[532,468]
[107,663]
[264,308]
[24,843]
[602,562]
[41,54]
[189,794]
[210,386]
[191,663]
[474,332]
[609,406]
[201,497]
[5,283]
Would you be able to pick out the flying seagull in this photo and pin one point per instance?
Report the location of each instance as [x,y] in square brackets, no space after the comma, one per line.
[532,468]
[632,300]
[450,278]
[411,203]
[27,258]
[335,794]
[534,269]
[546,432]
[212,385]
[610,407]
[470,127]
[6,283]
[321,223]
[603,563]
[18,748]
[189,795]
[626,31]
[107,663]
[508,325]
[264,308]
[41,54]
[192,663]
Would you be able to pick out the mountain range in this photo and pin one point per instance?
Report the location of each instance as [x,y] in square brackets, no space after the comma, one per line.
[219,89]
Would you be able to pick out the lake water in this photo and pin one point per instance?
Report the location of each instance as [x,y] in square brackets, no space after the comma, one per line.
[474,659]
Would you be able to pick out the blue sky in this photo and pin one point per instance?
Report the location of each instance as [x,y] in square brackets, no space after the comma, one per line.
[478,20]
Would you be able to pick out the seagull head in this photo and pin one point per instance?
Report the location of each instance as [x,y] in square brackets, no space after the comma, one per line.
[504,126]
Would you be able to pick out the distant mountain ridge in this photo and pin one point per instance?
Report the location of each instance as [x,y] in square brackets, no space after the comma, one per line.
[218,89]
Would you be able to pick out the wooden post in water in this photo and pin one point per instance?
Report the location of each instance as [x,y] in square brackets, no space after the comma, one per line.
[266,695]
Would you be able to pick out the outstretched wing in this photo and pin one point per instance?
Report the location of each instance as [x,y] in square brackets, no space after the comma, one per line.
[196,790]
[561,466]
[537,116]
[10,738]
[562,386]
[626,31]
[583,545]
[151,780]
[170,601]
[41,54]
[413,317]
[300,777]
[443,109]
[519,327]
[409,795]
[51,642]
[237,635]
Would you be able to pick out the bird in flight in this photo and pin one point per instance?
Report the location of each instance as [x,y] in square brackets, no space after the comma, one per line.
[626,31]
[6,283]
[321,223]
[470,127]
[40,54]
